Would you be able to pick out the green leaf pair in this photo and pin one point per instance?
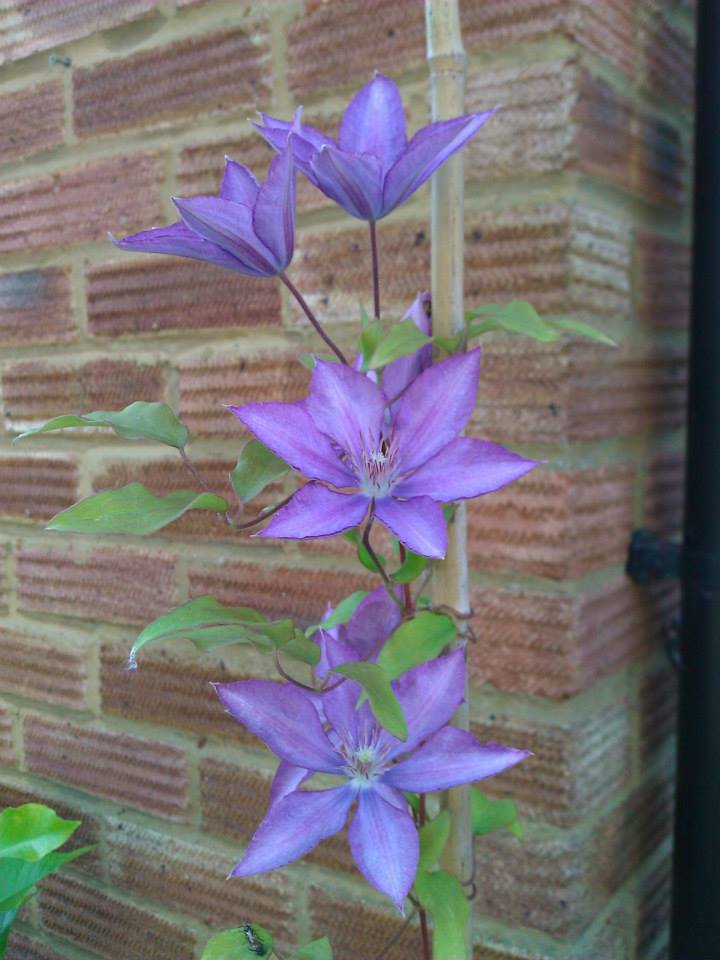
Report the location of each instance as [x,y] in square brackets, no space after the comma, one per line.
[251,941]
[379,348]
[138,421]
[518,316]
[489,815]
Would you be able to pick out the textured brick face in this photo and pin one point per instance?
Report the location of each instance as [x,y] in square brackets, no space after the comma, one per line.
[38,668]
[33,120]
[36,487]
[663,281]
[209,72]
[118,930]
[35,306]
[7,743]
[143,773]
[80,205]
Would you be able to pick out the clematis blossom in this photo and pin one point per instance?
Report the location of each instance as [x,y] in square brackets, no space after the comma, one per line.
[363,636]
[372,168]
[248,227]
[372,766]
[362,463]
[398,375]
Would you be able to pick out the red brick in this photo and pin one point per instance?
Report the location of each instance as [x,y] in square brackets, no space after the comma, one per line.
[654,914]
[562,259]
[656,709]
[554,524]
[80,205]
[664,493]
[21,948]
[555,645]
[143,773]
[37,486]
[193,879]
[576,767]
[357,927]
[35,306]
[26,673]
[37,391]
[207,382]
[7,739]
[34,116]
[147,296]
[666,56]
[173,689]
[213,71]
[45,23]
[278,591]
[118,585]
[233,799]
[663,282]
[111,928]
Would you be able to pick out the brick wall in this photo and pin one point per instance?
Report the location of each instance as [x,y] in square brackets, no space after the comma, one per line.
[576,200]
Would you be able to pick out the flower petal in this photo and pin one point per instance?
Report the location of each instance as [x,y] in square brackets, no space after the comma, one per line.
[293,826]
[347,407]
[334,650]
[429,695]
[384,845]
[283,718]
[274,214]
[398,375]
[306,141]
[418,524]
[374,122]
[449,758]
[287,778]
[315,511]
[436,407]
[376,617]
[229,225]
[463,469]
[238,184]
[343,714]
[288,430]
[180,241]
[352,180]
[428,149]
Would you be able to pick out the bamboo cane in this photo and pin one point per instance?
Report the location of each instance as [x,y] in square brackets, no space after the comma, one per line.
[446,60]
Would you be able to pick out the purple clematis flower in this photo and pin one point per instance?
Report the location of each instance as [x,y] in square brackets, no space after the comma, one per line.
[372,168]
[373,767]
[363,636]
[397,469]
[248,227]
[398,375]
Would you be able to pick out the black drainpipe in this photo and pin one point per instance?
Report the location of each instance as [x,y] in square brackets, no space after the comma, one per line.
[695,924]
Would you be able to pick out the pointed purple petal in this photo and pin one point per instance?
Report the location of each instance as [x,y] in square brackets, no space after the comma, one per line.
[238,184]
[429,695]
[384,845]
[436,408]
[284,718]
[374,122]
[428,149]
[377,616]
[418,524]
[287,778]
[449,758]
[180,241]
[293,826]
[316,511]
[334,650]
[229,225]
[352,180]
[274,214]
[463,469]
[347,407]
[288,430]
[398,375]
[343,714]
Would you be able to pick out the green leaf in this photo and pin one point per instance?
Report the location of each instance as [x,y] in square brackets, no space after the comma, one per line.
[371,336]
[317,950]
[20,876]
[433,837]
[415,641]
[247,942]
[7,918]
[310,360]
[363,554]
[385,705]
[411,569]
[449,344]
[489,815]
[443,897]
[139,421]
[132,509]
[518,316]
[341,614]
[584,330]
[401,340]
[32,831]
[300,648]
[197,618]
[256,468]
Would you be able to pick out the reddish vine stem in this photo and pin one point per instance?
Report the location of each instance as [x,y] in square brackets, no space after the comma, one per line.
[389,586]
[264,515]
[407,595]
[193,470]
[313,319]
[375,268]
[396,936]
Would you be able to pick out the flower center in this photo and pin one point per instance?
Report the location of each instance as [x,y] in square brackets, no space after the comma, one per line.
[378,469]
[364,758]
